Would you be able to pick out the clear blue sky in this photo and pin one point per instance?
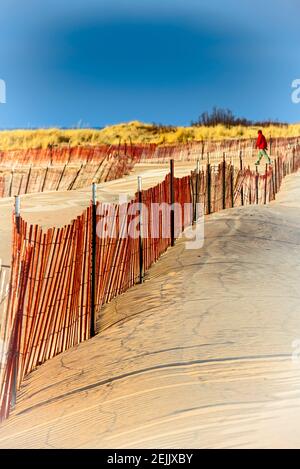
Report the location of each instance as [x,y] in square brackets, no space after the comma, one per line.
[100,62]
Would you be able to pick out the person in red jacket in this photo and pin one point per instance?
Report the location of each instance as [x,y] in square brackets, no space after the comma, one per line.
[261,144]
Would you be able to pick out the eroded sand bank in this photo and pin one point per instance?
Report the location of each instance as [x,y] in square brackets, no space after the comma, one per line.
[200,355]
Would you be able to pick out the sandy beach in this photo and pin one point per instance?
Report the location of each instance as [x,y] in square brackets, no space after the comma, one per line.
[203,354]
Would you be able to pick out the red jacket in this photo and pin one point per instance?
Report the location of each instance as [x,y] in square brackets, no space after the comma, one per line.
[261,142]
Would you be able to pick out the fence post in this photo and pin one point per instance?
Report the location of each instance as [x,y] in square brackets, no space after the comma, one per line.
[208,188]
[15,372]
[141,253]
[69,153]
[196,192]
[61,176]
[275,175]
[241,169]
[273,184]
[232,184]
[224,182]
[17,212]
[11,182]
[45,177]
[293,159]
[250,186]
[75,179]
[256,185]
[172,215]
[266,177]
[93,259]
[28,179]
[51,156]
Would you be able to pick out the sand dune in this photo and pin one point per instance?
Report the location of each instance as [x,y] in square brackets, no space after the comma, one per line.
[200,355]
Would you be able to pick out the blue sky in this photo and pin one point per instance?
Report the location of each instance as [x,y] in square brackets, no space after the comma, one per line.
[99,62]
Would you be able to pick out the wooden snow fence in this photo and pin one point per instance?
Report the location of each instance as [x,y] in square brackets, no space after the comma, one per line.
[61,278]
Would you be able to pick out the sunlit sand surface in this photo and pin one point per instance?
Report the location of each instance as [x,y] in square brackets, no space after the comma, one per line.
[200,355]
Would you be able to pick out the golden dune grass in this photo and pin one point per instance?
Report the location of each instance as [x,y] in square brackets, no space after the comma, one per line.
[135,132]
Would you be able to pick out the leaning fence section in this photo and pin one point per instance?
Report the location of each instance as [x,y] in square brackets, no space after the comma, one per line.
[21,179]
[62,169]
[67,168]
[61,278]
